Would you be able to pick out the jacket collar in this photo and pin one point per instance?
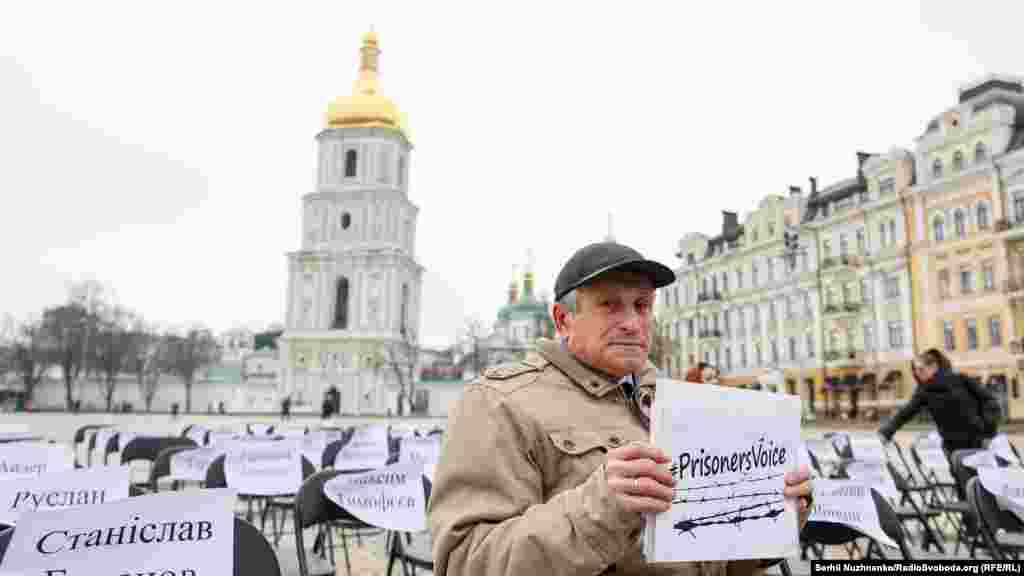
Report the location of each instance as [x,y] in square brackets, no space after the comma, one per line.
[594,381]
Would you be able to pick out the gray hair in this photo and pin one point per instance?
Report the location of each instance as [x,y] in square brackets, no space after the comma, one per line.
[568,302]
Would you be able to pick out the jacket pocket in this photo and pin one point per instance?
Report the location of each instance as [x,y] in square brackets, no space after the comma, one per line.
[578,452]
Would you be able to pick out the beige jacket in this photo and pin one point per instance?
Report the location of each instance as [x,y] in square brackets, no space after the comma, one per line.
[520,488]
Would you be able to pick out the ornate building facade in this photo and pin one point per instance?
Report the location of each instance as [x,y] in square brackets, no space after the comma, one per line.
[965,212]
[353,303]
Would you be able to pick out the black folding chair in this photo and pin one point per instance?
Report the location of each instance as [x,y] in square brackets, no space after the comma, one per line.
[80,438]
[834,534]
[412,557]
[147,448]
[1001,531]
[162,467]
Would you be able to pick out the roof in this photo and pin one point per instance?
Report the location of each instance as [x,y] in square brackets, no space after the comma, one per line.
[523,309]
[819,200]
[224,374]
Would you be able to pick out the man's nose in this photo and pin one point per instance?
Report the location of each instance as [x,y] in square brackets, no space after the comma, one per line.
[633,321]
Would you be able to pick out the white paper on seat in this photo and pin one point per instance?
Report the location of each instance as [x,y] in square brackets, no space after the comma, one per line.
[391,497]
[420,450]
[30,459]
[191,465]
[171,532]
[366,450]
[874,475]
[848,502]
[867,448]
[314,444]
[264,468]
[67,489]
[983,459]
[1007,485]
[1000,444]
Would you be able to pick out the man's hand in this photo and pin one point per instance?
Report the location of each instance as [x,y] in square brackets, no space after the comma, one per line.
[638,480]
[798,485]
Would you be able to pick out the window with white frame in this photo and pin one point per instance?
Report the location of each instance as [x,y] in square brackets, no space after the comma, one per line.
[948,336]
[808,310]
[966,281]
[869,337]
[843,245]
[944,284]
[972,334]
[810,345]
[775,352]
[892,287]
[895,334]
[861,246]
[753,274]
[892,231]
[937,168]
[743,355]
[887,186]
[983,216]
[988,276]
[1018,206]
[995,332]
[980,153]
[938,229]
[739,279]
[769,269]
[958,161]
[960,223]
[883,236]
[758,356]
[865,290]
[792,348]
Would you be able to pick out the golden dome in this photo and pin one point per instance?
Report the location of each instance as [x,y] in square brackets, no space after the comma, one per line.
[366,107]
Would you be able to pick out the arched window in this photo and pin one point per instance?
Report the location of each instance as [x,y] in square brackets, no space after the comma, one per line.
[958,161]
[350,163]
[938,229]
[401,171]
[960,224]
[753,275]
[980,153]
[405,308]
[892,231]
[937,168]
[346,220]
[341,305]
[983,220]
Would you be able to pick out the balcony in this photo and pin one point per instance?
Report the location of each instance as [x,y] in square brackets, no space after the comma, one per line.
[844,309]
[1017,347]
[844,358]
[709,297]
[710,335]
[843,262]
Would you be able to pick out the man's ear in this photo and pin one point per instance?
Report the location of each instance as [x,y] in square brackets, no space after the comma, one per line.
[562,319]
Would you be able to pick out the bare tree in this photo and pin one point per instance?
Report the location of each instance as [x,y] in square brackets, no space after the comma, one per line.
[149,360]
[33,356]
[661,344]
[64,328]
[8,343]
[402,357]
[190,353]
[114,349]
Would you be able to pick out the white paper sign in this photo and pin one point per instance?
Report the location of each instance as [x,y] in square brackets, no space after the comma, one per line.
[191,465]
[849,503]
[367,449]
[841,442]
[1001,446]
[260,429]
[935,461]
[170,532]
[27,460]
[264,468]
[867,448]
[223,438]
[932,440]
[85,486]
[420,450]
[983,459]
[1007,485]
[391,497]
[16,433]
[803,458]
[729,482]
[874,475]
[197,434]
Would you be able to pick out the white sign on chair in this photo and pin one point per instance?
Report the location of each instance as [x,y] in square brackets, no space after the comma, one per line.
[867,448]
[850,503]
[85,486]
[191,465]
[314,444]
[391,497]
[168,533]
[367,449]
[874,475]
[264,468]
[27,460]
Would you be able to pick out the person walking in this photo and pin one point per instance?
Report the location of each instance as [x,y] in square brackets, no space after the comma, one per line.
[965,414]
[547,466]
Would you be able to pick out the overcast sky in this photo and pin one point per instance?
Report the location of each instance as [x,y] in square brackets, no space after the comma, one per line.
[163,148]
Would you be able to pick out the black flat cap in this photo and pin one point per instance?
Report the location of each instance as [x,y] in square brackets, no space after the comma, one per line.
[594,260]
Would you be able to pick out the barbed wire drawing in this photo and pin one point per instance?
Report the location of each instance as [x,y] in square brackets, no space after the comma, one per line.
[727,484]
[703,499]
[735,516]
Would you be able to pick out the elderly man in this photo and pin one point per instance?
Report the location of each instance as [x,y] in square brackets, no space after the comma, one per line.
[547,467]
